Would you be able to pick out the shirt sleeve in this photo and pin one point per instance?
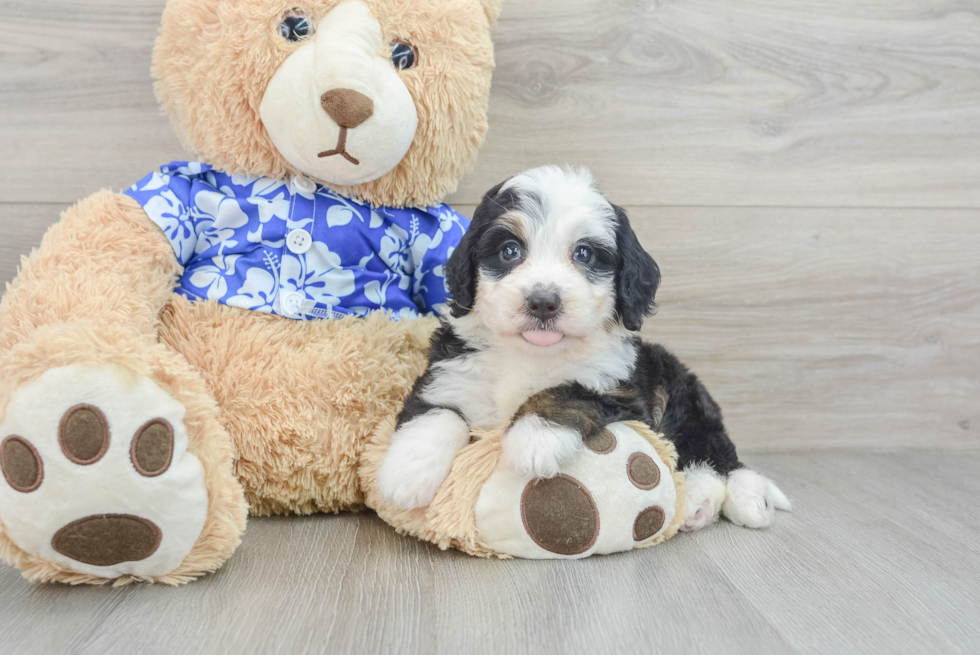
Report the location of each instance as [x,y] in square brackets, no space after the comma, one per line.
[430,292]
[167,197]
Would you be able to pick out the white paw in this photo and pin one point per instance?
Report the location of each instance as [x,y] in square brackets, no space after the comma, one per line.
[537,448]
[96,475]
[420,457]
[752,499]
[705,495]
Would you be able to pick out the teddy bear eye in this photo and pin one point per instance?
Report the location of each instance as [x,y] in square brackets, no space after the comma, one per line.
[404,55]
[295,25]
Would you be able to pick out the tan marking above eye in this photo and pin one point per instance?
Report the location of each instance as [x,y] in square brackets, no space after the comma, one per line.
[21,464]
[84,434]
[152,449]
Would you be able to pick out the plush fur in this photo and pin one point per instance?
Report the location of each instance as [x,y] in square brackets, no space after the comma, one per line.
[211,81]
[449,520]
[550,286]
[92,295]
[278,411]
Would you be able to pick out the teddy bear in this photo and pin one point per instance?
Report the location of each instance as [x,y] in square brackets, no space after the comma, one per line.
[236,334]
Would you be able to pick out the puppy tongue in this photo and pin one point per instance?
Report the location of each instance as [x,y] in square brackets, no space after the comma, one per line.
[543,337]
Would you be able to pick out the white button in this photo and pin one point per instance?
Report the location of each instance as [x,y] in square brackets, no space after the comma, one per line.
[304,184]
[299,241]
[292,303]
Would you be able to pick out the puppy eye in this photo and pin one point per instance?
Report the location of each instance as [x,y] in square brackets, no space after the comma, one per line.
[583,255]
[295,25]
[510,252]
[404,55]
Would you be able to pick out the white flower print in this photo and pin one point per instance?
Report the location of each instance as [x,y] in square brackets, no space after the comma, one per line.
[319,274]
[258,292]
[170,214]
[217,217]
[396,250]
[213,276]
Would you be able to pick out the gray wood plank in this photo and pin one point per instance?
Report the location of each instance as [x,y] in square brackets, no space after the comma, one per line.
[850,571]
[814,103]
[813,328]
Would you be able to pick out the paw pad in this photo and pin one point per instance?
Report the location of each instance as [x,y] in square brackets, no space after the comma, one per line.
[614,495]
[560,515]
[22,466]
[643,471]
[97,476]
[602,443]
[153,448]
[108,540]
[84,434]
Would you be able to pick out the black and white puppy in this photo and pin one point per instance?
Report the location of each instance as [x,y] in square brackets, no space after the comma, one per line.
[549,289]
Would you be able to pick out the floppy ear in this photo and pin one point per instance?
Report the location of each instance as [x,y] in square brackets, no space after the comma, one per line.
[637,276]
[461,270]
[492,7]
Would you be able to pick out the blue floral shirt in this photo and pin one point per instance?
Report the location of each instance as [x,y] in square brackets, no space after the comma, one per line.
[295,248]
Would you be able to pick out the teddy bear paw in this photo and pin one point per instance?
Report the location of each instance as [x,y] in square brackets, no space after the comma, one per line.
[96,474]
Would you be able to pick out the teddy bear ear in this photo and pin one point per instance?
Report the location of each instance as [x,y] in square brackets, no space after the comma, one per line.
[492,7]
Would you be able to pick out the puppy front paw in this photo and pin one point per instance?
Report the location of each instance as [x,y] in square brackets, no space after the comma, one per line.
[537,448]
[420,457]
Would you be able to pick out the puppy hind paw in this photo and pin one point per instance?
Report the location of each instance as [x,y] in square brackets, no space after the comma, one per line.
[705,495]
[752,499]
[536,448]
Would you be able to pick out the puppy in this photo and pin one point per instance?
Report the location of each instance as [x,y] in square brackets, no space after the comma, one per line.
[549,289]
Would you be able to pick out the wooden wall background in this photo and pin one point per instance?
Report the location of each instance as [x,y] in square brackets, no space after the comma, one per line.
[807,174]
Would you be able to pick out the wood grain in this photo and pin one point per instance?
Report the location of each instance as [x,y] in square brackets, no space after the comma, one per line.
[691,102]
[849,571]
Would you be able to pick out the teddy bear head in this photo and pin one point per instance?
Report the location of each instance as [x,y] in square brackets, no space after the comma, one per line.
[384,101]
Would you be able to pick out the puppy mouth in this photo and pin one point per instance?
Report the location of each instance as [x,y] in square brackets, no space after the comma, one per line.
[341,149]
[542,337]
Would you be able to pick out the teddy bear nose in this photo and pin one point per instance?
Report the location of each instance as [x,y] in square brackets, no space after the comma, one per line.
[347,107]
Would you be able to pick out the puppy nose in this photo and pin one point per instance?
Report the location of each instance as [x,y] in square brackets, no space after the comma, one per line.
[543,305]
[347,107]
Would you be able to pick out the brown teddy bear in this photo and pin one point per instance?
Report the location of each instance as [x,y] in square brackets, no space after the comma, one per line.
[237,334]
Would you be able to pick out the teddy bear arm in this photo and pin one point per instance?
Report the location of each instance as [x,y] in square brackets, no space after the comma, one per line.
[104,264]
[115,463]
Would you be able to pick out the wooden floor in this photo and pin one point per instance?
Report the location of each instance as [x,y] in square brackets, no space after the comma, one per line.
[806,173]
[880,556]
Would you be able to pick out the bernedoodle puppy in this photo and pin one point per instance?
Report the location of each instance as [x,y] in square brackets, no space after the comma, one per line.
[549,288]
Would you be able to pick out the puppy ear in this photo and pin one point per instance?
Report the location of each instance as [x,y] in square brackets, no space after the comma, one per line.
[637,276]
[461,270]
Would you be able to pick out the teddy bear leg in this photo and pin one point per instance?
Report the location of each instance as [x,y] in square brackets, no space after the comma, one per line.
[109,474]
[114,463]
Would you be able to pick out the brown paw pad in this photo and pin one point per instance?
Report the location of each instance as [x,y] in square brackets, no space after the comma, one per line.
[153,448]
[84,434]
[108,539]
[643,472]
[21,464]
[560,515]
[602,443]
[648,523]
